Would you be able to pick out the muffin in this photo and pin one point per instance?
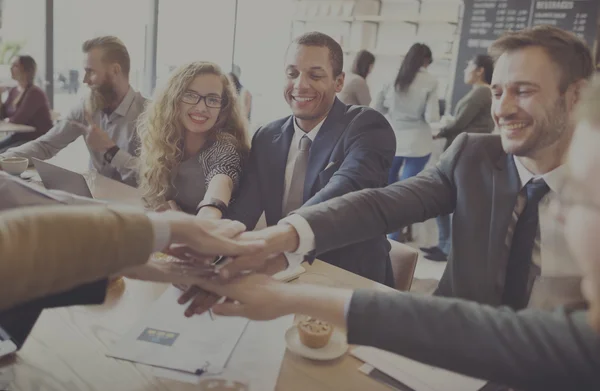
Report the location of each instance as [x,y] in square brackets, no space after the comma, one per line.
[314,333]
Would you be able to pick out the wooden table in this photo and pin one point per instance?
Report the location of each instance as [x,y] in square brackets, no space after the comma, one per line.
[8,127]
[66,349]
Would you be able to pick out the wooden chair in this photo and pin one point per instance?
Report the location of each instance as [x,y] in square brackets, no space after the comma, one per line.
[404,261]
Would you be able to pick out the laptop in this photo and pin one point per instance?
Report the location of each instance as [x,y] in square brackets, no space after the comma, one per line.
[58,178]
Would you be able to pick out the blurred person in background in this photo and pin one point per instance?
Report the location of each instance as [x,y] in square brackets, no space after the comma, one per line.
[244,96]
[355,90]
[410,104]
[26,104]
[473,115]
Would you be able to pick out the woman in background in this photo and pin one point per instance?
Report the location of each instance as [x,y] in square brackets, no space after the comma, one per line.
[411,104]
[356,90]
[473,115]
[26,104]
[193,142]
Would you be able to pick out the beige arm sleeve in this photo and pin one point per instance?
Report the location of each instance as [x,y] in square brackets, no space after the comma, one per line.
[50,249]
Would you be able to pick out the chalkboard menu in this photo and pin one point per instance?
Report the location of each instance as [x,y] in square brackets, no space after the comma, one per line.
[485,20]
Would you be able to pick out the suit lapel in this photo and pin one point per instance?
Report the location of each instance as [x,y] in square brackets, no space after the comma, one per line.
[323,145]
[506,185]
[277,162]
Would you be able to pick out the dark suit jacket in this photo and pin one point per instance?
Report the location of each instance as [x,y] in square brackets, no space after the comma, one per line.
[352,151]
[479,182]
[530,349]
[474,179]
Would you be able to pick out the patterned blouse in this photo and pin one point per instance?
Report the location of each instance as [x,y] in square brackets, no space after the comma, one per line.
[194,174]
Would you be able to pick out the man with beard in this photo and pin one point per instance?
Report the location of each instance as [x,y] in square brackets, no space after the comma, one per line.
[492,183]
[536,85]
[106,119]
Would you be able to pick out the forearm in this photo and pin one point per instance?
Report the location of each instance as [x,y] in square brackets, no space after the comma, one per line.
[370,213]
[529,349]
[92,242]
[39,149]
[49,144]
[220,188]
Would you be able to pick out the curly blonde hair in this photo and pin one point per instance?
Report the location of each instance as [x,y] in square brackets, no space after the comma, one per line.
[162,134]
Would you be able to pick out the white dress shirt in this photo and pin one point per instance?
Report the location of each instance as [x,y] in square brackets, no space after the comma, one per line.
[550,255]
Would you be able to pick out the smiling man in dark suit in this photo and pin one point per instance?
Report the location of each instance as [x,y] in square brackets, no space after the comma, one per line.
[323,150]
[493,184]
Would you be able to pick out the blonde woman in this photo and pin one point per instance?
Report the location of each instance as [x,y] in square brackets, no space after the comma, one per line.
[193,142]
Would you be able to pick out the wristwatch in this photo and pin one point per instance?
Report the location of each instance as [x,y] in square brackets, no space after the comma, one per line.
[109,155]
[215,203]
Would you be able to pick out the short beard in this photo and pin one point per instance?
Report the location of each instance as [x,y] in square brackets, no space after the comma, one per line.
[546,132]
[101,98]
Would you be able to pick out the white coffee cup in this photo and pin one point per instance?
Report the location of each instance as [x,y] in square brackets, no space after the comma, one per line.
[14,165]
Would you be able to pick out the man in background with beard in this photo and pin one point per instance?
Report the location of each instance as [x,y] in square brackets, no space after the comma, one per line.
[106,119]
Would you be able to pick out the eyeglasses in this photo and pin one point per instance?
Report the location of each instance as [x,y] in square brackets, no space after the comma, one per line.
[192,98]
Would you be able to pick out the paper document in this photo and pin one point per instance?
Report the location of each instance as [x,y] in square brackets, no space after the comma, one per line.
[260,339]
[417,376]
[165,338]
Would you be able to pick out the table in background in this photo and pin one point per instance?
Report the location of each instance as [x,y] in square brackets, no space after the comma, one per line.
[8,127]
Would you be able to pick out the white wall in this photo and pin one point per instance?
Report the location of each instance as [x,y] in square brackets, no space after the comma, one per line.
[263,34]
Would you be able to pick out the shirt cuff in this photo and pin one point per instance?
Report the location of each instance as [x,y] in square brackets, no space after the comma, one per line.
[305,234]
[120,159]
[162,231]
[293,260]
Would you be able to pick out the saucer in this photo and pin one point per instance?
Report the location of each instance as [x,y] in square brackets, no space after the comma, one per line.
[336,347]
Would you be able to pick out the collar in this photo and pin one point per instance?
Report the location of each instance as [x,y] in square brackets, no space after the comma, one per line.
[123,107]
[553,178]
[298,133]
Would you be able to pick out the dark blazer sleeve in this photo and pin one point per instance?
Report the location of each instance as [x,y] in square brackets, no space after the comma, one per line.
[86,294]
[20,320]
[247,206]
[371,145]
[370,213]
[530,349]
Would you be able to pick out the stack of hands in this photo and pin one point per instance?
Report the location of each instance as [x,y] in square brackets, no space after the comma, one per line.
[242,276]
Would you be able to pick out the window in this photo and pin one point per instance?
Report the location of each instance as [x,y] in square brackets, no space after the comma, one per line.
[78,20]
[194,30]
[17,37]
